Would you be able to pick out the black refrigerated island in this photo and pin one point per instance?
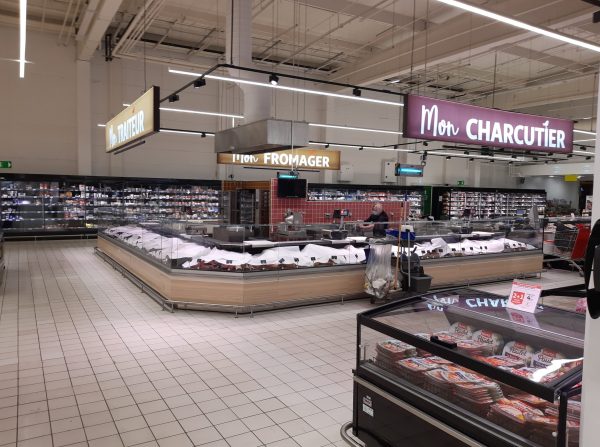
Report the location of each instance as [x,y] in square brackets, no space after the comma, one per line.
[457,368]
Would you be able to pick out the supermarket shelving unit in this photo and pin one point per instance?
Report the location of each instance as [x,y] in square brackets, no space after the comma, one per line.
[485,203]
[43,206]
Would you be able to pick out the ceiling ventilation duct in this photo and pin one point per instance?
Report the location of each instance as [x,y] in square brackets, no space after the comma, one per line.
[267,135]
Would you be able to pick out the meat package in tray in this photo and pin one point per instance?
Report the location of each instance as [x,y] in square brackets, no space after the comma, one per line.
[390,351]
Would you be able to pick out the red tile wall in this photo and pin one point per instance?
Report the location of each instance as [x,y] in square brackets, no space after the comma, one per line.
[314,211]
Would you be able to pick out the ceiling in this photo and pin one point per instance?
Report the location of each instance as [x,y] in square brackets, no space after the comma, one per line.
[419,46]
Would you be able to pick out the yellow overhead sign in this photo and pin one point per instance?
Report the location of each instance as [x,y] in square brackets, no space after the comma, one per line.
[290,159]
[140,119]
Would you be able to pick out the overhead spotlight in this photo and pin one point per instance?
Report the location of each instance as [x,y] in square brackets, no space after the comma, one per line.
[356,91]
[535,159]
[555,160]
[395,146]
[546,162]
[466,152]
[550,154]
[448,157]
[361,148]
[588,158]
[492,161]
[471,159]
[425,154]
[583,148]
[173,98]
[274,79]
[570,156]
[425,143]
[513,156]
[203,135]
[199,83]
[327,146]
[510,162]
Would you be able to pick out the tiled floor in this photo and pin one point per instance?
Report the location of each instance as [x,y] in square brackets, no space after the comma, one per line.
[86,359]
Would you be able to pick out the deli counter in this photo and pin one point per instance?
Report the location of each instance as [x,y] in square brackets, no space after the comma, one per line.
[247,267]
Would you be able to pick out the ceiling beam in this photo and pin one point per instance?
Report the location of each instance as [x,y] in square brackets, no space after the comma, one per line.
[463,37]
[103,17]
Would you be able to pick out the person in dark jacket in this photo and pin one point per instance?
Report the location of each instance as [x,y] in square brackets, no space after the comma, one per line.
[378,221]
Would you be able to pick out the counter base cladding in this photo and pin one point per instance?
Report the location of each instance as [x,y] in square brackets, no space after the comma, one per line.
[239,292]
[253,291]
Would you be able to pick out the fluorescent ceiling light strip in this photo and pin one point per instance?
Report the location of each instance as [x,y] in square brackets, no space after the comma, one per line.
[197,112]
[586,132]
[579,141]
[584,153]
[22,36]
[287,88]
[187,132]
[522,25]
[101,125]
[363,129]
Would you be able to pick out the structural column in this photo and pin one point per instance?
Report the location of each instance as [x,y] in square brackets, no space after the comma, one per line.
[590,435]
[84,118]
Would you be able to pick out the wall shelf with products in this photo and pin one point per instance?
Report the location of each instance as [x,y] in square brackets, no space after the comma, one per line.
[57,206]
[368,193]
[486,203]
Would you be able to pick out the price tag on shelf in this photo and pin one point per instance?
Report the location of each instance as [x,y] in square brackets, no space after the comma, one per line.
[524,297]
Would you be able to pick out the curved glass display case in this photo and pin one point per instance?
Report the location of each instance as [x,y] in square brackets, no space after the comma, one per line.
[459,368]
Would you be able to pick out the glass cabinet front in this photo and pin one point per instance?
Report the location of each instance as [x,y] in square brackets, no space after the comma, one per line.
[498,366]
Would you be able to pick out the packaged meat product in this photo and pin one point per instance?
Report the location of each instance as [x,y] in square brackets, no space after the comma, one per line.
[509,417]
[390,351]
[412,369]
[424,336]
[524,407]
[490,338]
[461,330]
[544,357]
[530,399]
[502,361]
[473,348]
[518,351]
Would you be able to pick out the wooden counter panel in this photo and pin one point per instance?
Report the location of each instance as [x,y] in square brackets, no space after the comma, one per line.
[478,268]
[218,289]
[298,287]
[291,286]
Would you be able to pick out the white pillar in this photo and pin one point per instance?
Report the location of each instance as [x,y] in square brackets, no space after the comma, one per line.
[84,118]
[590,435]
[238,51]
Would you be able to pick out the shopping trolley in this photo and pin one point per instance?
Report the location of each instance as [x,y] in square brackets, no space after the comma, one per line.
[570,242]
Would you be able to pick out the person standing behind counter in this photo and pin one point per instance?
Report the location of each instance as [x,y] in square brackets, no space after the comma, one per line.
[380,221]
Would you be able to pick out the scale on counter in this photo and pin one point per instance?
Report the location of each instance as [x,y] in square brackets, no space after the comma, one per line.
[339,233]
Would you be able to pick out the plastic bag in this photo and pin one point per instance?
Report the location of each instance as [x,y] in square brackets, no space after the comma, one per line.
[379,277]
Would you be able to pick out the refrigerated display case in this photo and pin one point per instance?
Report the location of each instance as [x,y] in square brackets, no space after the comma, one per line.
[458,368]
[2,263]
[49,205]
[486,203]
[369,193]
[330,257]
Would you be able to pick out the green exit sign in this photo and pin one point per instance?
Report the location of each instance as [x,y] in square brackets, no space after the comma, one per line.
[5,164]
[461,183]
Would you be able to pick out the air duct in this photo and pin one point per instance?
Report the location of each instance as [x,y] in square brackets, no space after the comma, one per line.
[267,135]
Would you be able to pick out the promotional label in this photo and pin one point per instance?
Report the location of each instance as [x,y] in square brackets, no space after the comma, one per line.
[5,164]
[297,158]
[140,119]
[435,119]
[524,297]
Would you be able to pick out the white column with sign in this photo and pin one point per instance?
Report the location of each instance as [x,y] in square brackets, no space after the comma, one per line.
[590,397]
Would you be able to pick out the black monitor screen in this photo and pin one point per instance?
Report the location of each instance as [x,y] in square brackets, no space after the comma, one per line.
[291,188]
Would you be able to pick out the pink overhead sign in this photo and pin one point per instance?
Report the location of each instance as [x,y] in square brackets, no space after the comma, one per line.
[436,119]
